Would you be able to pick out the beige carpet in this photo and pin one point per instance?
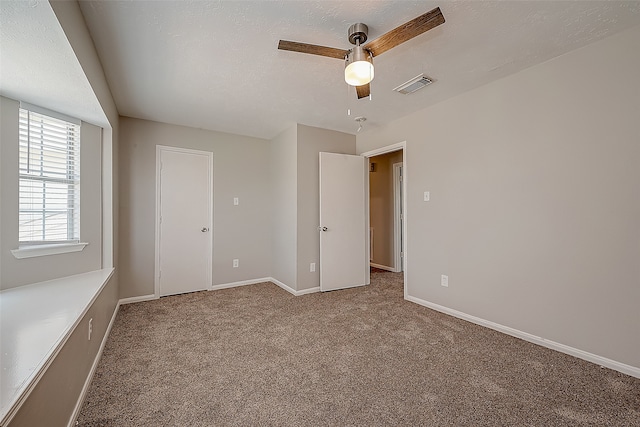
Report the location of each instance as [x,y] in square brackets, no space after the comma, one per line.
[258,356]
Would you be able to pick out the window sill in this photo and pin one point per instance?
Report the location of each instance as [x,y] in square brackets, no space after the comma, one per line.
[37,321]
[44,250]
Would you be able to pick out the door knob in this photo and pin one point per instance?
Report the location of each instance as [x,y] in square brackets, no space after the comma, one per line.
[322,228]
[204,229]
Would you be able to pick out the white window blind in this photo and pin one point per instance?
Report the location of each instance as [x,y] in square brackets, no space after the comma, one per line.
[49,179]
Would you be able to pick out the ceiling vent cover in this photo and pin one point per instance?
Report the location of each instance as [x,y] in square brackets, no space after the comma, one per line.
[414,84]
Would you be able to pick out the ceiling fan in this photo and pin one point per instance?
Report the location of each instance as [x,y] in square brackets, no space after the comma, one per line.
[359,59]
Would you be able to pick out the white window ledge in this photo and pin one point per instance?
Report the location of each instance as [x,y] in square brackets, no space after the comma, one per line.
[36,322]
[43,250]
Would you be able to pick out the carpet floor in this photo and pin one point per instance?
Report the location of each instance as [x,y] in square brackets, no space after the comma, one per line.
[258,356]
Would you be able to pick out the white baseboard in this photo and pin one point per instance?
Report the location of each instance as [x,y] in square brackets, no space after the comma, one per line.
[141,298]
[230,285]
[282,285]
[307,291]
[581,354]
[293,291]
[94,366]
[382,267]
[240,283]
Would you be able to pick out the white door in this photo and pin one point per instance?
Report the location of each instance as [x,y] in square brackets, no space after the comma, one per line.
[184,206]
[343,222]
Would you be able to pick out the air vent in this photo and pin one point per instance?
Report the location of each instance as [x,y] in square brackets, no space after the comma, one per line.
[414,84]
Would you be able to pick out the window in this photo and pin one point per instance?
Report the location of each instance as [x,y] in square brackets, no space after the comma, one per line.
[49,206]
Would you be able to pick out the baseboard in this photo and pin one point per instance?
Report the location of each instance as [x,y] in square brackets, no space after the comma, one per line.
[141,298]
[230,285]
[581,354]
[282,285]
[293,291]
[382,267]
[307,291]
[240,283]
[92,371]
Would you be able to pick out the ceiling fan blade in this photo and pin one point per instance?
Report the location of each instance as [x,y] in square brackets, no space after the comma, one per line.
[312,49]
[363,91]
[405,32]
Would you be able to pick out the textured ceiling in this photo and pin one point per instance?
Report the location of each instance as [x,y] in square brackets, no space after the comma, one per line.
[37,64]
[215,64]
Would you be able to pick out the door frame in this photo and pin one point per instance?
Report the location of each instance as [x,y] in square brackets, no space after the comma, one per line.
[209,154]
[398,215]
[384,150]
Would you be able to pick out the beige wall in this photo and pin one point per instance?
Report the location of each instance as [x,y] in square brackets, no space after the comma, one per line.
[274,229]
[381,207]
[74,27]
[54,398]
[16,272]
[240,170]
[72,22]
[312,141]
[283,152]
[535,199]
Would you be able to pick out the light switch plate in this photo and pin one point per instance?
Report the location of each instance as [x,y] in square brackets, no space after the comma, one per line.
[427,196]
[236,201]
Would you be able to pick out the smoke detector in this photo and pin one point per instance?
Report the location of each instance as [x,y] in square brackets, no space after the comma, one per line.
[414,84]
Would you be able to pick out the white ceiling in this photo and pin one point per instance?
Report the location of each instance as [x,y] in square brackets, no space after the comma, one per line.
[215,64]
[37,64]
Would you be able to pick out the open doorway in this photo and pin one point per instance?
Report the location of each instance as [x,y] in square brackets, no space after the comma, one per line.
[387,208]
[385,212]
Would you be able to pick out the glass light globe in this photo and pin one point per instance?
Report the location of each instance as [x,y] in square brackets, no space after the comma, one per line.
[358,73]
[359,68]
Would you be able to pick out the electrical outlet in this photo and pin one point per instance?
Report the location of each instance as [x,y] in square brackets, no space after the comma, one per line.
[444,280]
[312,267]
[236,263]
[90,327]
[236,201]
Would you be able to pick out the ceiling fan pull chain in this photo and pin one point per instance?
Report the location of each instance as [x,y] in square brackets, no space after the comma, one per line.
[348,101]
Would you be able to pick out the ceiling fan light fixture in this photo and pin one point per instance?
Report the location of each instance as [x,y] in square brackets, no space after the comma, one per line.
[359,69]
